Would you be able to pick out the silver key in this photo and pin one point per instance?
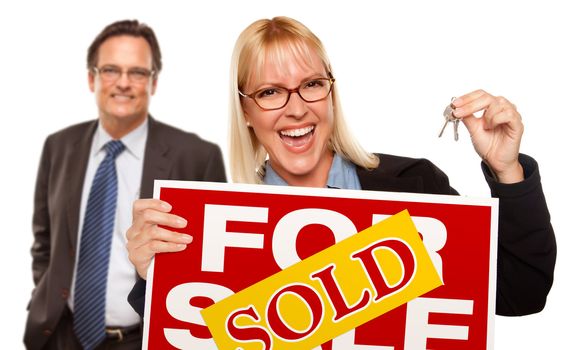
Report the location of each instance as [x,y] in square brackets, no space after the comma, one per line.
[449,118]
[444,126]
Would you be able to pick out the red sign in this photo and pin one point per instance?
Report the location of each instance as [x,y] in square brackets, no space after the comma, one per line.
[245,233]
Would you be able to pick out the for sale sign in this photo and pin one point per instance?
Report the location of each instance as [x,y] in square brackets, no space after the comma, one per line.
[244,234]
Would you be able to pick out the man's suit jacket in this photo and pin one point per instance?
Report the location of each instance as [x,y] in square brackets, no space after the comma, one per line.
[169,154]
[526,244]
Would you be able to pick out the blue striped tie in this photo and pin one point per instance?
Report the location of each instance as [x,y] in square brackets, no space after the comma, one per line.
[94,257]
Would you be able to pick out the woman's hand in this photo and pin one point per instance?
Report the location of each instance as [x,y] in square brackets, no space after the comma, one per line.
[496,135]
[146,238]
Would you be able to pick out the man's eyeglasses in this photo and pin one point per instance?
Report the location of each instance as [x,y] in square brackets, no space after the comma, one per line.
[113,73]
[276,97]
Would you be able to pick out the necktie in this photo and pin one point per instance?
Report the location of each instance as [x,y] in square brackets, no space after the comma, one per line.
[94,257]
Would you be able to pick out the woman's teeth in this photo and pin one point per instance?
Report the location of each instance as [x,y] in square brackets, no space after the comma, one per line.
[297,132]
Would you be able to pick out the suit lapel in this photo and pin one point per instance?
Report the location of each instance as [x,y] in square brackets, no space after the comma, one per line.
[77,163]
[156,164]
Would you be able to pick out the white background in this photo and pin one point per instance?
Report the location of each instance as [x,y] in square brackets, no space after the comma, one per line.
[397,65]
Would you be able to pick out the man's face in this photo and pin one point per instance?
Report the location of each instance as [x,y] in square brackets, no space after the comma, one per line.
[123,98]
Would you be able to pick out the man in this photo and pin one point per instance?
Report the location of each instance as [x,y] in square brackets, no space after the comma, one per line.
[89,175]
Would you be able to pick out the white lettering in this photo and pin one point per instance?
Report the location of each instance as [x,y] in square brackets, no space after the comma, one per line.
[215,238]
[418,329]
[346,341]
[178,306]
[287,229]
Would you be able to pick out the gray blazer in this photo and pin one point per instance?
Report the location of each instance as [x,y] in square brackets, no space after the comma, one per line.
[170,154]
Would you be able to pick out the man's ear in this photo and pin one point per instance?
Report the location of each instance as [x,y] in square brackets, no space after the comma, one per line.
[91,80]
[154,83]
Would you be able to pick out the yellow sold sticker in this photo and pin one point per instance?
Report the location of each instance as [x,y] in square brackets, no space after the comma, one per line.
[329,293]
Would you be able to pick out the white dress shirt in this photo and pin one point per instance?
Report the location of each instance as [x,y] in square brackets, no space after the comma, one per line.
[121,273]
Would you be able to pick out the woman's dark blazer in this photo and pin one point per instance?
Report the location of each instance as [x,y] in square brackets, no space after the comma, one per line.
[526,245]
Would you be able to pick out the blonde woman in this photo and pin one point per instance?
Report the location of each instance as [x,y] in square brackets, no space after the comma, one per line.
[287,128]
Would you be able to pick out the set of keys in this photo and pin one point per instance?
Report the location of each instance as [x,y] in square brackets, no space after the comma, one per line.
[450,118]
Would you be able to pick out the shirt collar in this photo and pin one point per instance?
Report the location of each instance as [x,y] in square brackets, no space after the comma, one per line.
[134,141]
[343,174]
[271,177]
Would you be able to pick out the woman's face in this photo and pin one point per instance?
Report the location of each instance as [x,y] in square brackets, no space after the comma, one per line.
[295,136]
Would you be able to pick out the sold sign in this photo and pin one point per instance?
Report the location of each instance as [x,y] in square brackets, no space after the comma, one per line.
[329,293]
[244,234]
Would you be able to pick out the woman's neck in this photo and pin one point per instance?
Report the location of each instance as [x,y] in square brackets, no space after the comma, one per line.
[316,178]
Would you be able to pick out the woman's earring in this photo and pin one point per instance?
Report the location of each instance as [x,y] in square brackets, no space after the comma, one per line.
[247,124]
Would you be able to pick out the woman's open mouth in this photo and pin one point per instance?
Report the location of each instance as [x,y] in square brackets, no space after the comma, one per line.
[297,137]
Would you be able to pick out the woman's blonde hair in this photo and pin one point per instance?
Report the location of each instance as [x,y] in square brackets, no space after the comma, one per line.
[276,39]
